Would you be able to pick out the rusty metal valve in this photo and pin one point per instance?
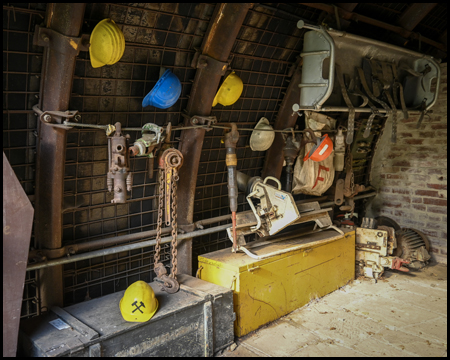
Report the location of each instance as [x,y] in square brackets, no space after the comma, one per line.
[119,177]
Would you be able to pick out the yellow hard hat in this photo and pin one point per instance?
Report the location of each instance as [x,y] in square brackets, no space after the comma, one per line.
[107,44]
[139,303]
[230,90]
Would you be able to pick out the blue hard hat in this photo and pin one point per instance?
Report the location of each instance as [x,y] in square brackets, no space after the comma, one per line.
[165,93]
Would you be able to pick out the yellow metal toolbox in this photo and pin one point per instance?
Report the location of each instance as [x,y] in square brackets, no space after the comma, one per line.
[309,266]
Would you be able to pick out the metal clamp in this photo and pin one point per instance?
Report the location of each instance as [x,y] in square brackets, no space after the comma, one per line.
[201,120]
[45,37]
[201,61]
[48,116]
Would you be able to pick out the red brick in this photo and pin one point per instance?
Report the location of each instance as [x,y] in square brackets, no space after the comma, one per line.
[427,134]
[436,171]
[412,170]
[401,163]
[414,141]
[435,202]
[434,250]
[390,176]
[437,186]
[432,193]
[398,149]
[439,126]
[443,251]
[416,200]
[400,191]
[400,135]
[393,205]
[419,207]
[429,232]
[437,210]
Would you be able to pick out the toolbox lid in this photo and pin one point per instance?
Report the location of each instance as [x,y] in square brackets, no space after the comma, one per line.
[241,262]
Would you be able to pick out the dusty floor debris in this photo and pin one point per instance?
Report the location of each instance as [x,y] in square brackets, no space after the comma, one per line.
[404,314]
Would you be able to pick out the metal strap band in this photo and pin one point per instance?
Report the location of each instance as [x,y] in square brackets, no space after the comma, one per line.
[382,70]
[398,85]
[369,93]
[423,106]
[351,113]
[394,116]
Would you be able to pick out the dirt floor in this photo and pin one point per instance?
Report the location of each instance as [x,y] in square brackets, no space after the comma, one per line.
[404,314]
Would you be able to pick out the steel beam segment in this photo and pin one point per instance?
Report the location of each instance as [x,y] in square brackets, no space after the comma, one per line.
[57,75]
[217,44]
[348,15]
[415,14]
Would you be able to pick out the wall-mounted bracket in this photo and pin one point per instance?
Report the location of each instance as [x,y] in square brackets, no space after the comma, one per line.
[201,61]
[55,118]
[65,44]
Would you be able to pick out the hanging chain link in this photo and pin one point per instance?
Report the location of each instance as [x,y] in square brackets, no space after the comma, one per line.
[174,224]
[160,216]
[169,163]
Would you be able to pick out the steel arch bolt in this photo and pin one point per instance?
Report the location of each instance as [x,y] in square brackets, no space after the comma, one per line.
[47,118]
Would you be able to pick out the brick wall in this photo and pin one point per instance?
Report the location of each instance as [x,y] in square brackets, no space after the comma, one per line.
[411,175]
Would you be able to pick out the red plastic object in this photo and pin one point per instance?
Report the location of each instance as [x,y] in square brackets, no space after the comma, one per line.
[321,150]
[397,264]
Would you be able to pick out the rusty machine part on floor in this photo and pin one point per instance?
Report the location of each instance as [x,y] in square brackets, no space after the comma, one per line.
[376,249]
[119,177]
[414,246]
[393,79]
[169,163]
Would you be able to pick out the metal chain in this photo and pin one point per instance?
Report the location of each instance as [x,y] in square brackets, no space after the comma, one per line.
[160,216]
[174,223]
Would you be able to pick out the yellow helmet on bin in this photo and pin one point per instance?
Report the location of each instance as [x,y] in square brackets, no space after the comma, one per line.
[107,44]
[139,303]
[230,90]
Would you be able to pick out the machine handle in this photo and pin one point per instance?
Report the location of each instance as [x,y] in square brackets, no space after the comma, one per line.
[274,179]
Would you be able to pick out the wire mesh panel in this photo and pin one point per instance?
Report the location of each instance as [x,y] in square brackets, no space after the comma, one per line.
[22,63]
[263,52]
[156,35]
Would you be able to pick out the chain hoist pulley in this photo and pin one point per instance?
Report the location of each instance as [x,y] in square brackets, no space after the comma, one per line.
[169,163]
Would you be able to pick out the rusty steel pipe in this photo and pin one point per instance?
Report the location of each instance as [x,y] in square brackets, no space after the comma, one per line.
[217,44]
[58,67]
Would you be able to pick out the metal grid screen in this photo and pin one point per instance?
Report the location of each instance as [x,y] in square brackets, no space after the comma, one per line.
[22,64]
[157,35]
[263,52]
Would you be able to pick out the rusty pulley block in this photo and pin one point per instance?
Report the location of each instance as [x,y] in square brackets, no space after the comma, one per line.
[169,163]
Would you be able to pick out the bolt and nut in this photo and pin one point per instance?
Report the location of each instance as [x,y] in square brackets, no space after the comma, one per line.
[47,118]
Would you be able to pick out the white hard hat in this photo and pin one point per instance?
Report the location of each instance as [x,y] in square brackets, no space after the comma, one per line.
[262,140]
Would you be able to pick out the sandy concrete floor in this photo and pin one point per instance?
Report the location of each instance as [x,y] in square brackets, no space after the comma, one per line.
[404,314]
